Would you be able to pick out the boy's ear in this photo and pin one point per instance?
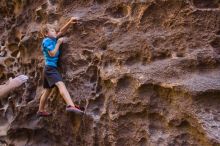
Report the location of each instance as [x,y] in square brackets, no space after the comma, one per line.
[45,34]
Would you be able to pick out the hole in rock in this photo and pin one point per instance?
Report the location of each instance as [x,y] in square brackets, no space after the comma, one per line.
[152,14]
[161,54]
[92,72]
[124,84]
[52,17]
[98,87]
[143,142]
[108,84]
[184,124]
[9,61]
[2,43]
[101,1]
[15,53]
[180,54]
[122,141]
[218,32]
[2,68]
[13,47]
[66,2]
[9,75]
[118,11]
[136,8]
[3,77]
[16,64]
[216,44]
[206,3]
[103,46]
[144,60]
[53,1]
[133,59]
[146,90]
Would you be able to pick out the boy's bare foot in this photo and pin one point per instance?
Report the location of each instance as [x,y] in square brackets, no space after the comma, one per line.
[43,114]
[75,109]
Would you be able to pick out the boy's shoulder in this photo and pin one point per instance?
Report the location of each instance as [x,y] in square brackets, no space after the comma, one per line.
[48,40]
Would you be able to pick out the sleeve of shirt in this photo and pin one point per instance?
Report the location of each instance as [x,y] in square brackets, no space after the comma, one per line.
[48,45]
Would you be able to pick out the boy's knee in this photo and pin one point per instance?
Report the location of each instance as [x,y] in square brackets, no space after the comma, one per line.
[59,84]
[46,91]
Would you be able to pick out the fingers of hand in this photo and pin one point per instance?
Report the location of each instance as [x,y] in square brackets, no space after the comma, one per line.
[21,79]
[74,19]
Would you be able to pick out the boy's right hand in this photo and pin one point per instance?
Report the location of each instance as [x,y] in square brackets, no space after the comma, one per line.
[74,19]
[60,40]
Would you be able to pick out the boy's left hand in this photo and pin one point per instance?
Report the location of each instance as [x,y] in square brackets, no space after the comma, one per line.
[73,20]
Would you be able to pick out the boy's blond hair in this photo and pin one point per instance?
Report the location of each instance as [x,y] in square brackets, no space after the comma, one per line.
[45,29]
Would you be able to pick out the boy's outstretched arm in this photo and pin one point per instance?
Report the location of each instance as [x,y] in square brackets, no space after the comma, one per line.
[66,26]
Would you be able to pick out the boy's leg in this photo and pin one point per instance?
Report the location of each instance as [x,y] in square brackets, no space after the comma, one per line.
[43,99]
[64,93]
[66,96]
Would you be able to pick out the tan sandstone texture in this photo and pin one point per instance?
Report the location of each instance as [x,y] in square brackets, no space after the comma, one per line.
[146,71]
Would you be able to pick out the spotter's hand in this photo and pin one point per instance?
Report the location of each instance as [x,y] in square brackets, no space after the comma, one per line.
[18,81]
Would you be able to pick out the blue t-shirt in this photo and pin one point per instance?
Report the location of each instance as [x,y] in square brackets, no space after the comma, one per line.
[48,44]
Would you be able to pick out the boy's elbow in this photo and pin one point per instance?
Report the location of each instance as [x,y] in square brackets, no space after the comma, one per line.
[51,54]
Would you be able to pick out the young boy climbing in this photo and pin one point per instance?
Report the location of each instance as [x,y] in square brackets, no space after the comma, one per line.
[50,47]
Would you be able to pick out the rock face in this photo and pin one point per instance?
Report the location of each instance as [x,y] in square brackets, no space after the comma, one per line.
[146,71]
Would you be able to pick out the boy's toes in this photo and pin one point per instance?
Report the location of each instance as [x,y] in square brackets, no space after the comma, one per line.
[76,110]
[79,107]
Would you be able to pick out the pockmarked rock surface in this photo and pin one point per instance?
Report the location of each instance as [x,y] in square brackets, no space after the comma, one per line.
[146,71]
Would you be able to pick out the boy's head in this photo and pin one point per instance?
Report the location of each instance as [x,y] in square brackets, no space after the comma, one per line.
[48,31]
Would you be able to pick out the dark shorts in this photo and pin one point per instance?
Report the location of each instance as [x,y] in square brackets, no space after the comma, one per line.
[51,76]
